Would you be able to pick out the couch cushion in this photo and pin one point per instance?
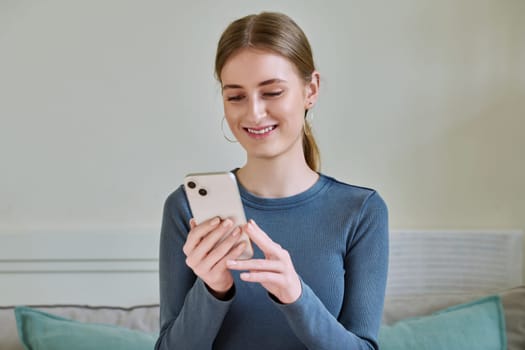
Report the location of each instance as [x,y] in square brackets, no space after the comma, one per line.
[141,317]
[513,300]
[146,317]
[43,331]
[514,306]
[479,324]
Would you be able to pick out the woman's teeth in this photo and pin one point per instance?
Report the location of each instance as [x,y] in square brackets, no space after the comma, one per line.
[260,131]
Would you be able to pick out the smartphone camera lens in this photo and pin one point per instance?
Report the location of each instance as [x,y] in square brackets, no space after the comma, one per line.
[191,184]
[203,192]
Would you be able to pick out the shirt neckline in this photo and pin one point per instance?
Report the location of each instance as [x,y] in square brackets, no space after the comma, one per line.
[258,202]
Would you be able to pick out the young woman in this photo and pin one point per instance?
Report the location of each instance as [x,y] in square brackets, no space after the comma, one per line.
[317,279]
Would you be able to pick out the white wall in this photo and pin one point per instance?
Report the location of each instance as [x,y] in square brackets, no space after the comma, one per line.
[105,105]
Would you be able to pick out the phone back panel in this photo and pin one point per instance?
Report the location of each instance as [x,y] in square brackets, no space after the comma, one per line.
[217,194]
[214,194]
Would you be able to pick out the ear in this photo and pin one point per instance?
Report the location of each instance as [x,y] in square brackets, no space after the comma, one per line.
[312,90]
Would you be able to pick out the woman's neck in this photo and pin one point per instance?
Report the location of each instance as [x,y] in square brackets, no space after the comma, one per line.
[271,178]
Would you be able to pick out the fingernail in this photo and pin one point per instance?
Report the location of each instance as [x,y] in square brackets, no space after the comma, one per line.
[236,232]
[245,275]
[215,221]
[226,223]
[231,262]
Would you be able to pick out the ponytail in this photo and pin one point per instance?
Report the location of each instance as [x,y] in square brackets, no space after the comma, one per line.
[310,148]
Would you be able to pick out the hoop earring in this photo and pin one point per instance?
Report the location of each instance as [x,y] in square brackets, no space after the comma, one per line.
[230,140]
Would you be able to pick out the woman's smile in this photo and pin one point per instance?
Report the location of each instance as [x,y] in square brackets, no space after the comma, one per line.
[261,132]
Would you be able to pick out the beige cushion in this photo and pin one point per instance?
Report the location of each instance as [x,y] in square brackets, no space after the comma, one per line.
[514,305]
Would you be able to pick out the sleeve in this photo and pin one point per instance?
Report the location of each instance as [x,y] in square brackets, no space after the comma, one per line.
[366,265]
[190,316]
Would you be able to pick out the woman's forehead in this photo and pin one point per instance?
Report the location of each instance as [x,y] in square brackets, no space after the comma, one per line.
[251,66]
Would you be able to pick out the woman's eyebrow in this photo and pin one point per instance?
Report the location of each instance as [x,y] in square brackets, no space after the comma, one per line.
[272,81]
[263,83]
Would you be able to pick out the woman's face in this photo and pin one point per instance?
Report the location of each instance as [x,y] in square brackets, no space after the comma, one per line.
[264,103]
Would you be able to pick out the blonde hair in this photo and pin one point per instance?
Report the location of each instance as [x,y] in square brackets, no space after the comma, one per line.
[278,33]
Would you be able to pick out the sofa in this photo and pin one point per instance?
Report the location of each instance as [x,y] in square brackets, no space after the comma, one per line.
[446,290]
[139,324]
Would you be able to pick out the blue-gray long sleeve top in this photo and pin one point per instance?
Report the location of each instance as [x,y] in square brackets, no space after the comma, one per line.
[337,237]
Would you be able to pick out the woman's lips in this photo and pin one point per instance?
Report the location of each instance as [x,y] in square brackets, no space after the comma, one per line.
[258,132]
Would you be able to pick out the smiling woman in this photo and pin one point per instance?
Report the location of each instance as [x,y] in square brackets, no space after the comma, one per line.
[279,37]
[265,102]
[318,274]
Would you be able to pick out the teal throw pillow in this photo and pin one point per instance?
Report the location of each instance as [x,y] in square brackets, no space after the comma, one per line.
[38,330]
[478,325]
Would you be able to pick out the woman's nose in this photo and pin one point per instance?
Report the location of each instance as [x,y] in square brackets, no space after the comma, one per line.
[257,109]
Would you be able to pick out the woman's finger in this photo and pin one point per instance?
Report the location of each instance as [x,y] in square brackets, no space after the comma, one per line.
[198,232]
[261,239]
[206,244]
[255,265]
[233,253]
[263,278]
[220,250]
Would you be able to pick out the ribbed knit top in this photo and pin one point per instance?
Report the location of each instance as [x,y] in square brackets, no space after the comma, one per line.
[337,237]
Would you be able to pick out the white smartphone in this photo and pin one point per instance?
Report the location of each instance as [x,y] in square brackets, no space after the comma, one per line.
[217,194]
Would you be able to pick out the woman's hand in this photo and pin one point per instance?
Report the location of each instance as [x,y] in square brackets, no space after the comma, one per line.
[207,258]
[275,273]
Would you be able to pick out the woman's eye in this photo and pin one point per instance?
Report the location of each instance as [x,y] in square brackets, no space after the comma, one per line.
[273,93]
[234,98]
